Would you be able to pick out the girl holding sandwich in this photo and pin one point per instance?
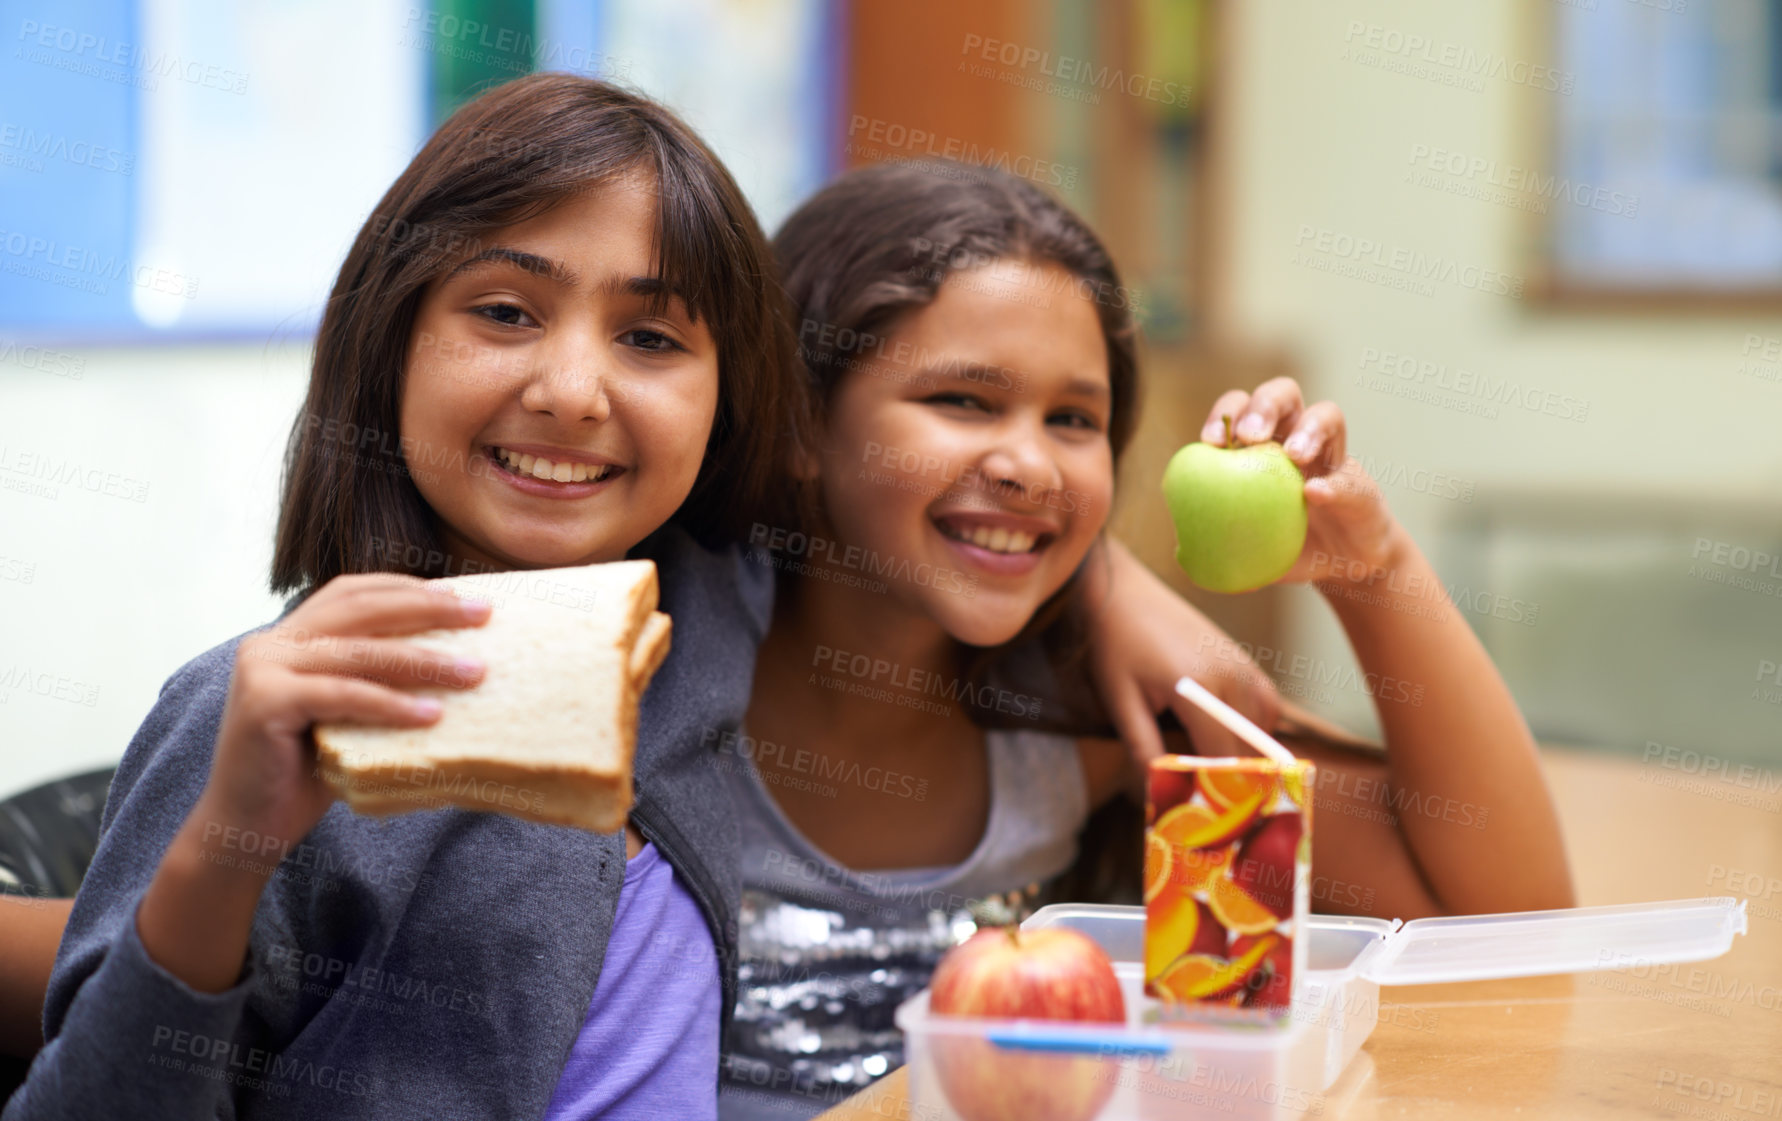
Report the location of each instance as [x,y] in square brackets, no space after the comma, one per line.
[564,272]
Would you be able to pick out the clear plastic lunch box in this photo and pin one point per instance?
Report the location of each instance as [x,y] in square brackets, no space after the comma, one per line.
[1178,1071]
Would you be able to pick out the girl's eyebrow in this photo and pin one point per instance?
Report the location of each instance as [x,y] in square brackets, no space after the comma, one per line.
[663,297]
[974,373]
[649,287]
[531,262]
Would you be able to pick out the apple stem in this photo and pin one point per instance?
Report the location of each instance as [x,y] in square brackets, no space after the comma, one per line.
[1013,930]
[1227,419]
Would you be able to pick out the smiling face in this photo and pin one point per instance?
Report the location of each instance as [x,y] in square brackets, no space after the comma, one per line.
[973,439]
[550,414]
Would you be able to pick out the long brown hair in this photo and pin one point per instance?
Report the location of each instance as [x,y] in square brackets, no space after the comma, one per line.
[877,244]
[348,502]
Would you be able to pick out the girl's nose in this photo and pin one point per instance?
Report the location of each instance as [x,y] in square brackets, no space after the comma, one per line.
[1020,460]
[569,383]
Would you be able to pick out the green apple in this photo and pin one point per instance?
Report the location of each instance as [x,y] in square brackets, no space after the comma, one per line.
[1240,514]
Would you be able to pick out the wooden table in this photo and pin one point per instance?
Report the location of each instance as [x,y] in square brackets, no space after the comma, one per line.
[1700,1040]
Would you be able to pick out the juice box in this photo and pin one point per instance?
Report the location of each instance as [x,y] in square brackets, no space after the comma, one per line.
[1228,846]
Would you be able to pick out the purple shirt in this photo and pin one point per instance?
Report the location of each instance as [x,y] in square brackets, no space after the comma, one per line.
[649,1047]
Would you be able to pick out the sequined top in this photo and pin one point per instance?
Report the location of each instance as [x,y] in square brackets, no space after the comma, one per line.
[827,953]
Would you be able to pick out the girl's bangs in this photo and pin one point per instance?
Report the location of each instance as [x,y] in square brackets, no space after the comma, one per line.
[693,242]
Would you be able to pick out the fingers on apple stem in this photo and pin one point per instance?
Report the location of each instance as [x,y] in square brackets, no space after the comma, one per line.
[1274,410]
[1231,404]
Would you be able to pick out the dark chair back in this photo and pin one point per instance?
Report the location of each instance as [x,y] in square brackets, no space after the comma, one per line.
[47,838]
[48,834]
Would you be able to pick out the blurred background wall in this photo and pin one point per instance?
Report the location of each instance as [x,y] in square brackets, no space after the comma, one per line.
[1533,249]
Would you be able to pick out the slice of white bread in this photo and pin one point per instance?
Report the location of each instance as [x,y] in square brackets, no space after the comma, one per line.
[549,733]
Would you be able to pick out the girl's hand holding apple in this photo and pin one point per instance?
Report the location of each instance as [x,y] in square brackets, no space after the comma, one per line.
[1350,535]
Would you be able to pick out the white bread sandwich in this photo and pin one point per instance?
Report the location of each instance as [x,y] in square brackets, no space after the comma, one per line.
[549,733]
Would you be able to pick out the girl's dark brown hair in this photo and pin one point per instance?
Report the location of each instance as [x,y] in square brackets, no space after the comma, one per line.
[880,241]
[348,502]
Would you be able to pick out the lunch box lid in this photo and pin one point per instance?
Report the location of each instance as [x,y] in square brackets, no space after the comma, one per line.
[1467,947]
[1575,940]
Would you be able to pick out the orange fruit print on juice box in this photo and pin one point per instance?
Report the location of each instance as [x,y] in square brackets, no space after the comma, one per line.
[1227,855]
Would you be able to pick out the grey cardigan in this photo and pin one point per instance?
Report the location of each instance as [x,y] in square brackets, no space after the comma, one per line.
[433,965]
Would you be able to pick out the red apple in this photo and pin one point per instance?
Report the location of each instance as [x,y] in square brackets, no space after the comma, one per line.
[1007,973]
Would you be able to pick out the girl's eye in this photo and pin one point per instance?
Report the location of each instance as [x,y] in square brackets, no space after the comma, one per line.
[1076,418]
[508,315]
[958,400]
[645,339]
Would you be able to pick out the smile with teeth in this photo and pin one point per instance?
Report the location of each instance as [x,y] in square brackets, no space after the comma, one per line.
[541,468]
[996,539]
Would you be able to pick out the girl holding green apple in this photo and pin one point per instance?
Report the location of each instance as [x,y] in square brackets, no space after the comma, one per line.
[975,376]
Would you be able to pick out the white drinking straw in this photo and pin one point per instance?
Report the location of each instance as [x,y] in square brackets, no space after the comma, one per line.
[1239,724]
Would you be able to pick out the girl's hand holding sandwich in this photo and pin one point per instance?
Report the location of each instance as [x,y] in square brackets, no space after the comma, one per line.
[334,658]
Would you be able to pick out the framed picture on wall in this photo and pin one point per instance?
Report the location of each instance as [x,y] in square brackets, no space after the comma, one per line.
[1665,180]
